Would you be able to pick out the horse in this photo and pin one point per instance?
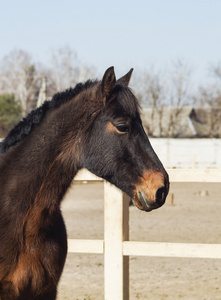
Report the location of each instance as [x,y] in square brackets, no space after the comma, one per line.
[96,126]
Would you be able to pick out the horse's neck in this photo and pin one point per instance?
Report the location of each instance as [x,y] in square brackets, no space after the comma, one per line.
[57,180]
[46,206]
[42,166]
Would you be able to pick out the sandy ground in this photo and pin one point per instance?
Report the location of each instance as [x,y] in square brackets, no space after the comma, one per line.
[194,218]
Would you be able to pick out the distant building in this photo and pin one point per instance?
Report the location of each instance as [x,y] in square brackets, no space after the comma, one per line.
[212,117]
[174,123]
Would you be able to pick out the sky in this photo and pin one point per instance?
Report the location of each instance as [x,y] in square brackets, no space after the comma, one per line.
[125,34]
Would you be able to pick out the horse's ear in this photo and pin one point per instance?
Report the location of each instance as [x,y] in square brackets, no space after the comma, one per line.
[126,78]
[108,82]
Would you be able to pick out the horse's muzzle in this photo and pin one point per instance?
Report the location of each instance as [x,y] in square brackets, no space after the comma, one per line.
[149,205]
[151,192]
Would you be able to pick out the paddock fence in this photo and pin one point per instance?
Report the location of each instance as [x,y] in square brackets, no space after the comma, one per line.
[116,246]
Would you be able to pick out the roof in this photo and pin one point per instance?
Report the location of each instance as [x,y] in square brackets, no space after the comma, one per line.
[172,122]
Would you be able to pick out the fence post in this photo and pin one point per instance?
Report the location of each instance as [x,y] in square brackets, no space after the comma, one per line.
[116,230]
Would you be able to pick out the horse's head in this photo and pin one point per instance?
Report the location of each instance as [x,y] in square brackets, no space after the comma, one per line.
[117,148]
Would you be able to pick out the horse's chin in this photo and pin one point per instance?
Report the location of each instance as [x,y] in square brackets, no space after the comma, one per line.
[142,207]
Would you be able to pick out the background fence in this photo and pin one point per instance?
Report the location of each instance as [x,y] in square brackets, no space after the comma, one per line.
[188,153]
[116,246]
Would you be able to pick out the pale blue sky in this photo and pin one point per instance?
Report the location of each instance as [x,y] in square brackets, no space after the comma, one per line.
[125,34]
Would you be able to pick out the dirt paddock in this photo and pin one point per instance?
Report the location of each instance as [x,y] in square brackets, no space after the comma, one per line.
[194,218]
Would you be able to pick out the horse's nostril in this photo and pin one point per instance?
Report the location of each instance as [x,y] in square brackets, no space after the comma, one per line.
[161,195]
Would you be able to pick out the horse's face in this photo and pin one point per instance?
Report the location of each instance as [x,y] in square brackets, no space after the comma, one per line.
[119,151]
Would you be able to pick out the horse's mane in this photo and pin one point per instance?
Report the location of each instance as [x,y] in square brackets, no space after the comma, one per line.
[25,127]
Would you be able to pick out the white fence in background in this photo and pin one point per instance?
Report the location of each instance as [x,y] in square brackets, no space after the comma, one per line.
[188,153]
[116,246]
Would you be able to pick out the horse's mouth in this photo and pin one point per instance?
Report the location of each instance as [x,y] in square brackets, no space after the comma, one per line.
[143,206]
[143,203]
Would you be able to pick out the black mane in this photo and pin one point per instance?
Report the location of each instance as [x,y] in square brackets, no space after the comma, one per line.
[25,127]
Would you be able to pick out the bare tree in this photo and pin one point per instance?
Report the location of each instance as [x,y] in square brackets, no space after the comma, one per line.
[179,94]
[151,91]
[18,76]
[65,70]
[215,70]
[208,100]
[165,94]
[21,77]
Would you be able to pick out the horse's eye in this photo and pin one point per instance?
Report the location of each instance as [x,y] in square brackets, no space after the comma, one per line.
[123,128]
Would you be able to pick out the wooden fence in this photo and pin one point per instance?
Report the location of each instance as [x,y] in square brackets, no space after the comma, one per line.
[116,246]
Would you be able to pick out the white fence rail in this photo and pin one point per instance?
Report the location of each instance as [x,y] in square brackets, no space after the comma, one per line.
[116,246]
[188,153]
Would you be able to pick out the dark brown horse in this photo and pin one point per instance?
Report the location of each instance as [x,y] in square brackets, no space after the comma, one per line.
[96,126]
